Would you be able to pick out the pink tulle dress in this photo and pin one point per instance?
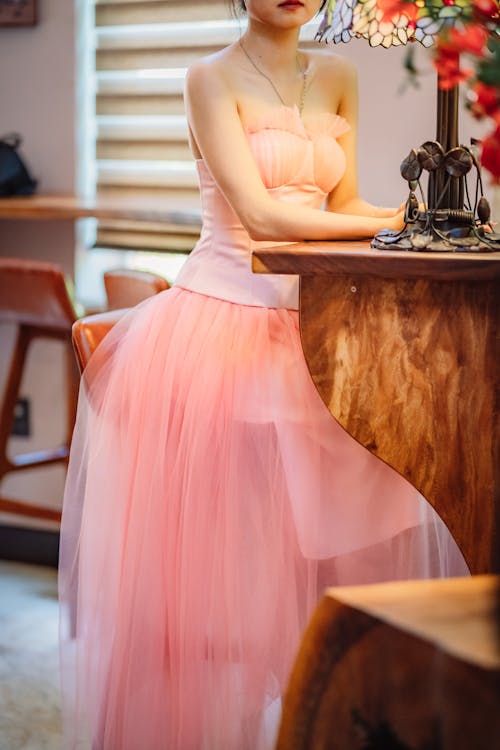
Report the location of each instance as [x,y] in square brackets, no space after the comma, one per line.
[211,496]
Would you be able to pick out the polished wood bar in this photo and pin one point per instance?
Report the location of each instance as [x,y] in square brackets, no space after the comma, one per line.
[412,664]
[349,258]
[403,348]
[63,207]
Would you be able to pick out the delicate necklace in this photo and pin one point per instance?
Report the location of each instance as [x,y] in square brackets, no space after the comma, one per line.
[303,73]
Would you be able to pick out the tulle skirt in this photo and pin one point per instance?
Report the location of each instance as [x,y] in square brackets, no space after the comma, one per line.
[210,499]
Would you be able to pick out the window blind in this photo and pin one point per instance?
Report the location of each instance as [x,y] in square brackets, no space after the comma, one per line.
[142,50]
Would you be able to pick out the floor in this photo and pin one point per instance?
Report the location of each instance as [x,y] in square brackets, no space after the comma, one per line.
[29,667]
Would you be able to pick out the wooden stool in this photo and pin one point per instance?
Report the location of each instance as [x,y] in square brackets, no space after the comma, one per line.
[88,333]
[411,665]
[126,288]
[33,296]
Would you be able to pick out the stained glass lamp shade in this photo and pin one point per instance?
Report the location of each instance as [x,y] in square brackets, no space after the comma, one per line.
[345,19]
[445,224]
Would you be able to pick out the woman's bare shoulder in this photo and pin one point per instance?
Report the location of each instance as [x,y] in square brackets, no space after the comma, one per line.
[333,77]
[211,71]
[330,63]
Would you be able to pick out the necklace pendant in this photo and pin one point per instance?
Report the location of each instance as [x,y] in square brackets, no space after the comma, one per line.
[303,92]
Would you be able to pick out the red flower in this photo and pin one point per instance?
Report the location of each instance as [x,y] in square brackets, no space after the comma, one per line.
[472,39]
[487,8]
[490,154]
[447,63]
[487,100]
[394,9]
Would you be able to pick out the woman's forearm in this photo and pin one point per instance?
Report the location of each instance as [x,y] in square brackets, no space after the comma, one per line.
[360,207]
[279,220]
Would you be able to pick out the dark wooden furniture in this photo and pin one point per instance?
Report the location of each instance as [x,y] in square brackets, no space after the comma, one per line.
[412,665]
[33,297]
[403,348]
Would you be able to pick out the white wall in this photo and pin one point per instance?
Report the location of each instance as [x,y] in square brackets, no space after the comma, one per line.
[37,100]
[37,83]
[390,124]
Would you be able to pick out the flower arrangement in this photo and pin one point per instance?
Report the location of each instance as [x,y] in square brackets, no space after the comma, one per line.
[468,27]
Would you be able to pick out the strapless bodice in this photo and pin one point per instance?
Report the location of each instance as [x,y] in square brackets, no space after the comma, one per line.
[300,162]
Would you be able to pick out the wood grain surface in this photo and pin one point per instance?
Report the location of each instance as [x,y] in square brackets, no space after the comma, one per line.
[363,680]
[409,368]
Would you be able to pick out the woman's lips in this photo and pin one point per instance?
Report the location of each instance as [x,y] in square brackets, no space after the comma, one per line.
[291,5]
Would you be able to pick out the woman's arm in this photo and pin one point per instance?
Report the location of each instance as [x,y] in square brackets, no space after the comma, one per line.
[216,127]
[345,198]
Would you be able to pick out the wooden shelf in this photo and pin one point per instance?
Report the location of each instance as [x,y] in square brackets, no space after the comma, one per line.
[70,207]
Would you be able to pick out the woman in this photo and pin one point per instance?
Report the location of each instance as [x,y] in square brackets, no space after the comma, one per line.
[210,494]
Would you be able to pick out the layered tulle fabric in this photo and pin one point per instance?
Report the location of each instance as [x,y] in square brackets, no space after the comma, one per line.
[210,499]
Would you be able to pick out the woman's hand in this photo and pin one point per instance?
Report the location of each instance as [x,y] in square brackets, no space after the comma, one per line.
[397,221]
[382,212]
[359,207]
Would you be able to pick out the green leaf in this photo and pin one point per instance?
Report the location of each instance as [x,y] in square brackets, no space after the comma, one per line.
[493,44]
[488,71]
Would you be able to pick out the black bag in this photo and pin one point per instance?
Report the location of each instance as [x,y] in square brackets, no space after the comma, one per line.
[14,177]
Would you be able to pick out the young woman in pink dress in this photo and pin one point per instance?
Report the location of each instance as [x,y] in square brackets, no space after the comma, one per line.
[211,496]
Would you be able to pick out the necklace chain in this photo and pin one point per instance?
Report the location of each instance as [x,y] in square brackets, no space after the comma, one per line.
[303,72]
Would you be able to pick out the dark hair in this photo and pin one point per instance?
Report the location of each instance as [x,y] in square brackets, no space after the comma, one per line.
[238,6]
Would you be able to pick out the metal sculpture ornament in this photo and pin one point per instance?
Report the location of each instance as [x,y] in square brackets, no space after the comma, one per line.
[437,228]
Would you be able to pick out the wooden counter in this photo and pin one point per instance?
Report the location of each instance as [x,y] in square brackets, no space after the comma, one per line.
[403,348]
[348,258]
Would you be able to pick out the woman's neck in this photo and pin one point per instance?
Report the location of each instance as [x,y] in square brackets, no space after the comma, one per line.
[275,50]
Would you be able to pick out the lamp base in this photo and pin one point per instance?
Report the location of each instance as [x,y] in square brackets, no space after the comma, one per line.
[440,231]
